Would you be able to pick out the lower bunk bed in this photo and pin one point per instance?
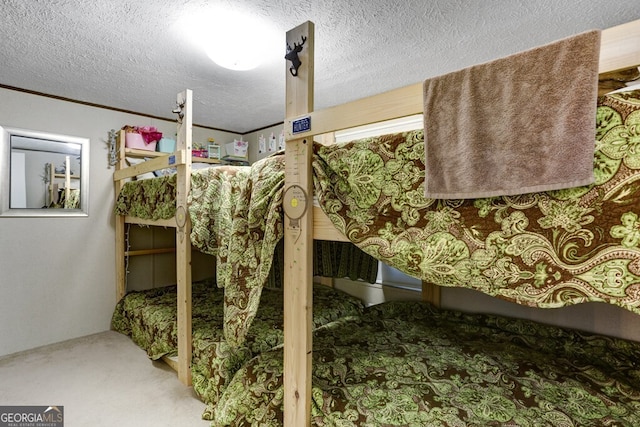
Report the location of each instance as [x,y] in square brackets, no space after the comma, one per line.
[149,318]
[412,364]
[545,250]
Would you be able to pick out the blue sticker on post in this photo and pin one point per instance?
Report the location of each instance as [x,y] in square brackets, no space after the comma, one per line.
[172,160]
[302,124]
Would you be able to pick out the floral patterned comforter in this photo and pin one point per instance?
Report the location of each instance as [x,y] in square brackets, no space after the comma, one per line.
[410,364]
[149,318]
[540,249]
[236,215]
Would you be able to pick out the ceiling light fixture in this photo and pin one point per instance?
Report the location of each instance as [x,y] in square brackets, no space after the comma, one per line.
[233,40]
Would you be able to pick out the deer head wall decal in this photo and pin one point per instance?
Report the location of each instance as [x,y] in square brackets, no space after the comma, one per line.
[292,55]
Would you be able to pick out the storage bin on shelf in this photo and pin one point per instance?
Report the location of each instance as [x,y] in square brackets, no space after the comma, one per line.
[141,137]
[200,153]
[167,145]
[237,148]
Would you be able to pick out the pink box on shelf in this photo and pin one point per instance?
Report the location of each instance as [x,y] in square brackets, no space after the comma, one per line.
[135,140]
[200,153]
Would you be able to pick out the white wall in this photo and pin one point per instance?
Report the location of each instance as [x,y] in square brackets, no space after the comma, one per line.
[254,142]
[376,293]
[597,318]
[57,275]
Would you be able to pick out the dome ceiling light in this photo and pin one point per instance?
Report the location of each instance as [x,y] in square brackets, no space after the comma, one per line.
[233,40]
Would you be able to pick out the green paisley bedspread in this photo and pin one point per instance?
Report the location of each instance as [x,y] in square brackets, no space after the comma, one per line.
[541,249]
[410,364]
[236,215]
[149,318]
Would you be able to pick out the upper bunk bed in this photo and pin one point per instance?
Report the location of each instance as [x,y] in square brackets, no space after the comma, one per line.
[304,222]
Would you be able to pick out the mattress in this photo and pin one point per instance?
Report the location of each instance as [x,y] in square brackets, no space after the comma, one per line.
[149,318]
[411,364]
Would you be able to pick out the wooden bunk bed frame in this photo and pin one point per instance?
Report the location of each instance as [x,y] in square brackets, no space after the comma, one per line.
[620,49]
[181,159]
[303,222]
[66,176]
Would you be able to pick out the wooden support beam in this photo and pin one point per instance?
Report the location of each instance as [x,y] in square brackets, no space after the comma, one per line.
[324,229]
[619,47]
[431,293]
[405,101]
[154,251]
[171,222]
[121,273]
[183,240]
[298,247]
[158,162]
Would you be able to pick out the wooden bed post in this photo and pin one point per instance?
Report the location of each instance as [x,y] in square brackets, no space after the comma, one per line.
[121,274]
[183,238]
[431,293]
[298,231]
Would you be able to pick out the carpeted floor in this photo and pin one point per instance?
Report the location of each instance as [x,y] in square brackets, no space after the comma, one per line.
[100,380]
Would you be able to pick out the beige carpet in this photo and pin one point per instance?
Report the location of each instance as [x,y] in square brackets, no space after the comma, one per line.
[100,380]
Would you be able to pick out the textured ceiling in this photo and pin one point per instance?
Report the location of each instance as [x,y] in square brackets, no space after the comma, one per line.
[133,55]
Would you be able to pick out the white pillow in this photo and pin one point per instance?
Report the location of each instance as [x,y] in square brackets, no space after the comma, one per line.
[131,161]
[197,166]
[165,172]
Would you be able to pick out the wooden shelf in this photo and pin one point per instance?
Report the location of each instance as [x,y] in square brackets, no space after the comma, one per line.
[204,160]
[134,152]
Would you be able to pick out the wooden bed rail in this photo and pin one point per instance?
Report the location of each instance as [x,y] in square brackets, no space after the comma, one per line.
[163,161]
[620,47]
[619,50]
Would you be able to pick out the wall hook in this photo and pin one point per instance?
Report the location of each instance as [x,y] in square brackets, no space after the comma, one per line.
[179,111]
[292,55]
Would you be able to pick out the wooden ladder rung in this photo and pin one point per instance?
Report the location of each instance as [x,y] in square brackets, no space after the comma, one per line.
[149,251]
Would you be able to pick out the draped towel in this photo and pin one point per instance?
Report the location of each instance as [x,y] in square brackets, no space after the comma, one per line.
[524,123]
